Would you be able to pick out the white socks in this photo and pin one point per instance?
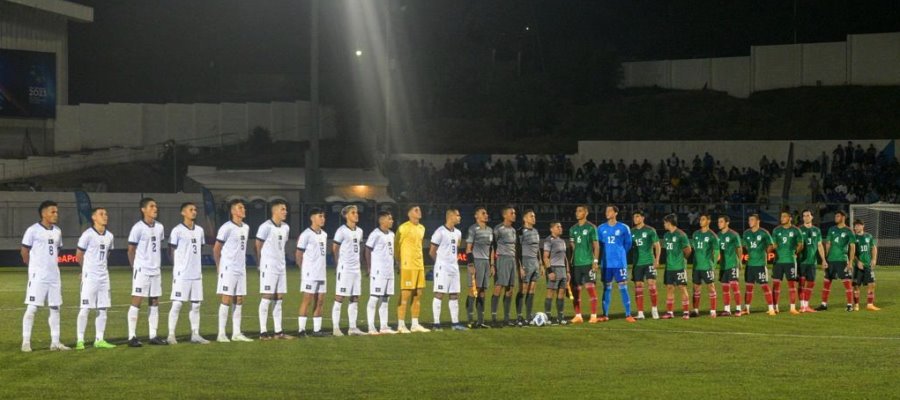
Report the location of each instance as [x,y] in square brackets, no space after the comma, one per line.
[301,322]
[81,324]
[276,316]
[173,317]
[236,316]
[223,319]
[194,317]
[336,315]
[263,314]
[153,320]
[371,306]
[435,310]
[132,321]
[383,314]
[28,322]
[317,324]
[353,313]
[100,324]
[54,324]
[454,311]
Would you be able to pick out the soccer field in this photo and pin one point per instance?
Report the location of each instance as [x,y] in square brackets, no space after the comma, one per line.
[833,354]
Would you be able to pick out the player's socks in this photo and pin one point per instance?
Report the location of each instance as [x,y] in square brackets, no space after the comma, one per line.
[236,316]
[81,324]
[173,317]
[776,291]
[807,291]
[848,290]
[520,298]
[560,307]
[870,297]
[371,308]
[626,299]
[792,287]
[727,308]
[383,313]
[454,310]
[607,295]
[529,304]
[767,292]
[194,317]
[670,304]
[263,315]
[713,299]
[223,319]
[726,296]
[415,322]
[470,309]
[100,325]
[153,321]
[301,323]
[495,303]
[685,306]
[436,310]
[28,322]
[695,300]
[53,321]
[276,316]
[507,305]
[748,293]
[826,291]
[639,297]
[856,295]
[317,324]
[336,315]
[654,295]
[736,294]
[353,313]
[592,293]
[132,321]
[548,302]
[479,306]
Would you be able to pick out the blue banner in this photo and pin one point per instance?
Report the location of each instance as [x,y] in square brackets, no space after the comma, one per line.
[27,84]
[83,205]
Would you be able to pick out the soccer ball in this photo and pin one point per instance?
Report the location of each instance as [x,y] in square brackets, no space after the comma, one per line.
[540,319]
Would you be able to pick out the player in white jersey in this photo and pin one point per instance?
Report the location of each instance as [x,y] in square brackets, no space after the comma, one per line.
[346,249]
[380,266]
[94,246]
[444,245]
[271,237]
[186,248]
[40,247]
[230,253]
[310,257]
[144,254]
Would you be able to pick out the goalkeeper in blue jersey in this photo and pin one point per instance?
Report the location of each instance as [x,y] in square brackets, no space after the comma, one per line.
[615,237]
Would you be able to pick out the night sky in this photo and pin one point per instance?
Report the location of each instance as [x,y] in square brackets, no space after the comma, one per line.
[188,51]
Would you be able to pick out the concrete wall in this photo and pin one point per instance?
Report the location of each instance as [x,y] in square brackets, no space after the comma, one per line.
[775,67]
[875,59]
[36,166]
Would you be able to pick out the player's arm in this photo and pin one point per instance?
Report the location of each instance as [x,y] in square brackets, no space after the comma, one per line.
[596,249]
[821,249]
[521,266]
[259,245]
[132,249]
[432,251]
[298,258]
[470,259]
[368,260]
[657,252]
[739,250]
[217,254]
[336,250]
[874,256]
[851,255]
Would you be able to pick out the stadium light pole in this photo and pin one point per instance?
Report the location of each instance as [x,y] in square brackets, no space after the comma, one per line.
[311,189]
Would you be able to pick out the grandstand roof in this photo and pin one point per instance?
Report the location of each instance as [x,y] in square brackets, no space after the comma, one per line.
[68,9]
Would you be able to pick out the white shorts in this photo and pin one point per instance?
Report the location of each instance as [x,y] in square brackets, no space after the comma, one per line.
[43,293]
[312,286]
[95,293]
[446,279]
[232,284]
[381,285]
[272,282]
[187,290]
[349,283]
[145,285]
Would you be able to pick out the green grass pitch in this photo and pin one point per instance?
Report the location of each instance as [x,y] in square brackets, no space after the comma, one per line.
[832,354]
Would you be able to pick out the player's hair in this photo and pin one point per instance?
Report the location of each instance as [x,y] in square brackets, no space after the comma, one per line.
[553,223]
[806,210]
[145,201]
[672,219]
[584,206]
[528,211]
[507,207]
[346,210]
[315,210]
[726,218]
[841,212]
[185,204]
[754,215]
[638,212]
[614,207]
[95,209]
[450,210]
[46,204]
[706,214]
[385,213]
[409,207]
[786,211]
[234,202]
[859,222]
[479,208]
[277,202]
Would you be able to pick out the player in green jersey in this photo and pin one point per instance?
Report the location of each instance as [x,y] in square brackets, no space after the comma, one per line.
[678,248]
[732,253]
[812,245]
[646,261]
[863,275]
[758,243]
[706,255]
[840,250]
[788,243]
[584,262]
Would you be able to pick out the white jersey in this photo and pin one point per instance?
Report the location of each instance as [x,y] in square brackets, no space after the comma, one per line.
[43,247]
[349,240]
[312,244]
[233,238]
[187,245]
[381,244]
[274,238]
[447,242]
[96,247]
[147,240]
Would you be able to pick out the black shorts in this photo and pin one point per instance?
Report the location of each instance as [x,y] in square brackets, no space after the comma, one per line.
[583,276]
[677,278]
[641,273]
[862,277]
[807,271]
[784,271]
[729,275]
[700,277]
[836,270]
[756,275]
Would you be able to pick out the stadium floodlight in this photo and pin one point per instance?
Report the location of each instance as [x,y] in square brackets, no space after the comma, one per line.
[359,53]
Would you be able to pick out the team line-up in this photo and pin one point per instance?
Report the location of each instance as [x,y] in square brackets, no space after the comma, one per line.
[504,254]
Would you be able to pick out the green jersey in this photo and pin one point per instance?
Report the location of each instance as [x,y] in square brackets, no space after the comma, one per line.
[757,244]
[786,241]
[675,243]
[864,245]
[643,240]
[729,243]
[583,238]
[812,236]
[706,249]
[840,239]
